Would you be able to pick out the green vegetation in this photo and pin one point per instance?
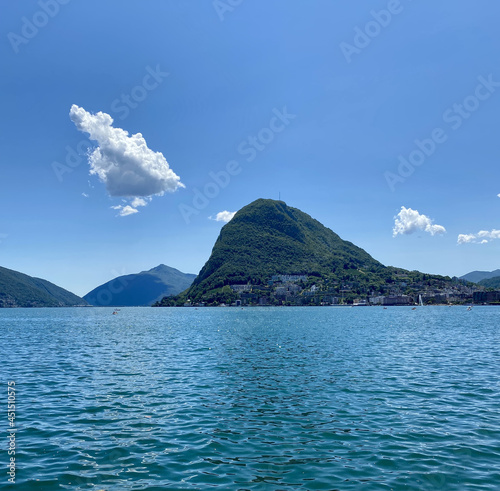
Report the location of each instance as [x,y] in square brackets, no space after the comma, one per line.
[20,290]
[268,237]
[491,282]
[140,289]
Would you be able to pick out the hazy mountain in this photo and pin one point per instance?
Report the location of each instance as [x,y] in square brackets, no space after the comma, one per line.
[477,276]
[268,237]
[140,289]
[491,282]
[20,290]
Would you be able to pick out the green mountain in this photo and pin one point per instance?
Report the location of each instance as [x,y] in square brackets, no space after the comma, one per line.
[491,282]
[478,276]
[20,290]
[267,238]
[140,289]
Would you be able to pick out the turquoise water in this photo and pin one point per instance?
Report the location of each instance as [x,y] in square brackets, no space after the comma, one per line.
[254,399]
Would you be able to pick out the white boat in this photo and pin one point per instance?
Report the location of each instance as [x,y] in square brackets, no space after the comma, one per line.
[360,303]
[420,303]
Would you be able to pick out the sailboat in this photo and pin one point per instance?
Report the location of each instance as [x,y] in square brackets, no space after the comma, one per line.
[420,303]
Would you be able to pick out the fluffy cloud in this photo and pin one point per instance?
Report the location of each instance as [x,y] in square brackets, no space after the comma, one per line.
[482,237]
[409,221]
[466,238]
[223,216]
[124,163]
[136,202]
[125,210]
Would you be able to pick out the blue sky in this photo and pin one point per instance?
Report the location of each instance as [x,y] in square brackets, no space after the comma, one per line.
[356,103]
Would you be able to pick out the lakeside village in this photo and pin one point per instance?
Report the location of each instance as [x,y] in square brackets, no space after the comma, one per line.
[303,290]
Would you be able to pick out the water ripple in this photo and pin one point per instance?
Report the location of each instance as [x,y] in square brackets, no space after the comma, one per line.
[255,399]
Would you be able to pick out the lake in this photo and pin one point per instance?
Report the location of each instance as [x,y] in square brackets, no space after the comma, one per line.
[313,398]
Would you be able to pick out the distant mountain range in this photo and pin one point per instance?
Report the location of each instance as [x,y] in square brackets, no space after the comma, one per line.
[264,243]
[477,276]
[268,238]
[491,282]
[20,290]
[141,289]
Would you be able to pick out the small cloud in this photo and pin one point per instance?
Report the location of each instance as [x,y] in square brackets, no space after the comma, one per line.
[466,238]
[124,162]
[125,210]
[136,202]
[482,237]
[498,195]
[85,195]
[409,221]
[223,216]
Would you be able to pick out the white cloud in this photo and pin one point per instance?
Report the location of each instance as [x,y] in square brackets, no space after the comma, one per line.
[223,216]
[466,238]
[498,195]
[136,202]
[482,237]
[85,195]
[125,210]
[124,163]
[409,221]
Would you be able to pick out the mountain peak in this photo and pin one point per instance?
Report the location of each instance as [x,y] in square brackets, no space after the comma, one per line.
[143,288]
[268,237]
[160,268]
[272,253]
